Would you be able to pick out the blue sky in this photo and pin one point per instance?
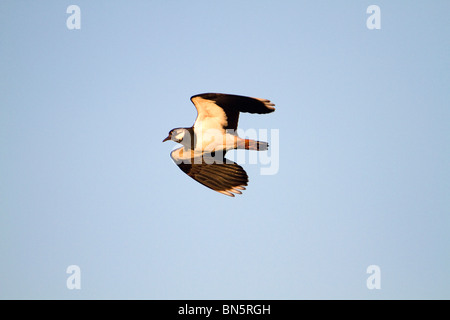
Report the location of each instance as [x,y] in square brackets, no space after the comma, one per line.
[363,178]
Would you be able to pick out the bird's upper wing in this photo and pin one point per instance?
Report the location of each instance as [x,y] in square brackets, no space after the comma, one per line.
[221,111]
[221,175]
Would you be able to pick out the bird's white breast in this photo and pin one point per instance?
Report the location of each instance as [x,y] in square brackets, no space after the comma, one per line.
[213,140]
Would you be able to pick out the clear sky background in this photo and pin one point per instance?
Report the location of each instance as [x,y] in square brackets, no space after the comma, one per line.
[363,120]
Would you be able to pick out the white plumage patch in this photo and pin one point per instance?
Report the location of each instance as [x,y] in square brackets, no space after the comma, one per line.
[210,115]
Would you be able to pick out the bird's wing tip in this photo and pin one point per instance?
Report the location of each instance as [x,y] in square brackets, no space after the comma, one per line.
[267,103]
[225,192]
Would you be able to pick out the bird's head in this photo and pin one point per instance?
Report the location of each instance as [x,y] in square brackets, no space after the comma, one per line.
[176,135]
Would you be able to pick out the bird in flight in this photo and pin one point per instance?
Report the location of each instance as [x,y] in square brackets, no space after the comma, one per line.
[202,155]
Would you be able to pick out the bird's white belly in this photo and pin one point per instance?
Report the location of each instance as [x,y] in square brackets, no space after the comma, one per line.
[214,140]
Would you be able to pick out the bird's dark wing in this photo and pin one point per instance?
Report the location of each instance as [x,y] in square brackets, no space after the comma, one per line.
[221,111]
[223,175]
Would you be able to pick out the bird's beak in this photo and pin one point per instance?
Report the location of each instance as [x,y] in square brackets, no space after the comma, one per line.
[168,138]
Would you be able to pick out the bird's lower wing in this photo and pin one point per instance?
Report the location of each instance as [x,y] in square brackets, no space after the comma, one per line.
[221,175]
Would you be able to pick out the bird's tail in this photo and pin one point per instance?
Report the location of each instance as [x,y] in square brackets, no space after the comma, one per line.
[252,145]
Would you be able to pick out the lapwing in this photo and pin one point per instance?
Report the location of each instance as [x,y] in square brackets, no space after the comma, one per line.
[202,155]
